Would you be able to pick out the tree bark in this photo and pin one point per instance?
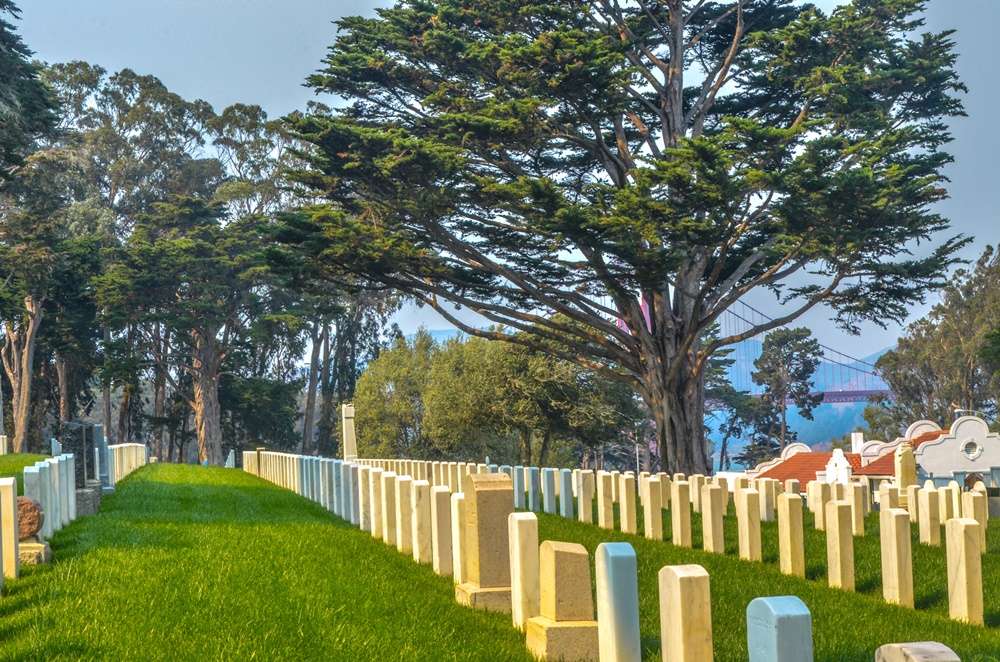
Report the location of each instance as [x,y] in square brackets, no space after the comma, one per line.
[19,361]
[324,438]
[310,412]
[206,362]
[62,377]
[676,401]
[159,389]
[106,393]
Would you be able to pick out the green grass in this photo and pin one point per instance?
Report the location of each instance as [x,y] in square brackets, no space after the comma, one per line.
[14,464]
[846,626]
[197,563]
[192,563]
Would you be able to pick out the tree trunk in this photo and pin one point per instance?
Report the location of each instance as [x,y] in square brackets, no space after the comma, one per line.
[159,389]
[205,364]
[543,452]
[106,392]
[324,439]
[62,377]
[310,413]
[123,414]
[19,362]
[677,405]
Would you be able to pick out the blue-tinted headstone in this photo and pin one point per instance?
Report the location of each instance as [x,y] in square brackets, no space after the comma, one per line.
[618,601]
[566,493]
[779,629]
[549,490]
[517,477]
[534,489]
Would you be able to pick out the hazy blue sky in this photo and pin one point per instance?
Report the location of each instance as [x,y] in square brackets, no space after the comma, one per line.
[259,51]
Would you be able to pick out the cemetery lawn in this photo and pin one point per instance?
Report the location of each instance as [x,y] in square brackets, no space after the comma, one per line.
[14,464]
[187,562]
[846,626]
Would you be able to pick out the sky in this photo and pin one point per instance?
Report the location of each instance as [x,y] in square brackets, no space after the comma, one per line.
[260,51]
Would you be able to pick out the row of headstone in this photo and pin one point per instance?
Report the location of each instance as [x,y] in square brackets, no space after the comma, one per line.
[123,459]
[497,564]
[52,483]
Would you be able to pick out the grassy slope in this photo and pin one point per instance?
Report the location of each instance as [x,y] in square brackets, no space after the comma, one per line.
[185,562]
[191,563]
[14,464]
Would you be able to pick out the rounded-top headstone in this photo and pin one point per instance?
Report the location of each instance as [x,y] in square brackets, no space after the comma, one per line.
[29,517]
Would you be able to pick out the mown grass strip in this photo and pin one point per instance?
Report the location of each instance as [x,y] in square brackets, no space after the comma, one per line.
[193,563]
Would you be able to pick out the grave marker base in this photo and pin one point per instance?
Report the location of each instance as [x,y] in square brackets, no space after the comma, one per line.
[565,640]
[487,599]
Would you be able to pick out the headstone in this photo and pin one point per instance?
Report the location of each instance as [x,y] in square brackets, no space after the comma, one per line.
[230,457]
[965,570]
[441,530]
[420,503]
[355,496]
[458,537]
[685,614]
[905,467]
[856,497]
[680,513]
[913,502]
[605,496]
[779,629]
[928,512]
[652,511]
[486,561]
[520,496]
[839,545]
[768,488]
[791,548]
[946,504]
[524,587]
[748,524]
[917,651]
[364,499]
[713,531]
[695,481]
[375,501]
[974,506]
[617,602]
[388,507]
[534,489]
[792,486]
[626,504]
[9,527]
[404,510]
[549,482]
[565,628]
[566,494]
[822,497]
[585,497]
[897,557]
[55,448]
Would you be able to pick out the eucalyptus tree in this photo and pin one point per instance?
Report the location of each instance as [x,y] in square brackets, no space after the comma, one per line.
[607,178]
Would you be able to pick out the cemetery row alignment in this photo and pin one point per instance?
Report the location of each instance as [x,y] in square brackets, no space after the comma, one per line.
[464,520]
[56,488]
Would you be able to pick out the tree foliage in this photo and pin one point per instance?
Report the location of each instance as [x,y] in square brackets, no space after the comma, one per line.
[559,166]
[943,362]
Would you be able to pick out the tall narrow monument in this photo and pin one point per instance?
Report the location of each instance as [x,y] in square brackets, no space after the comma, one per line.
[350,446]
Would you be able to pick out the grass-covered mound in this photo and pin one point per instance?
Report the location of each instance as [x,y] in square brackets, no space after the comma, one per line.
[14,464]
[186,563]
